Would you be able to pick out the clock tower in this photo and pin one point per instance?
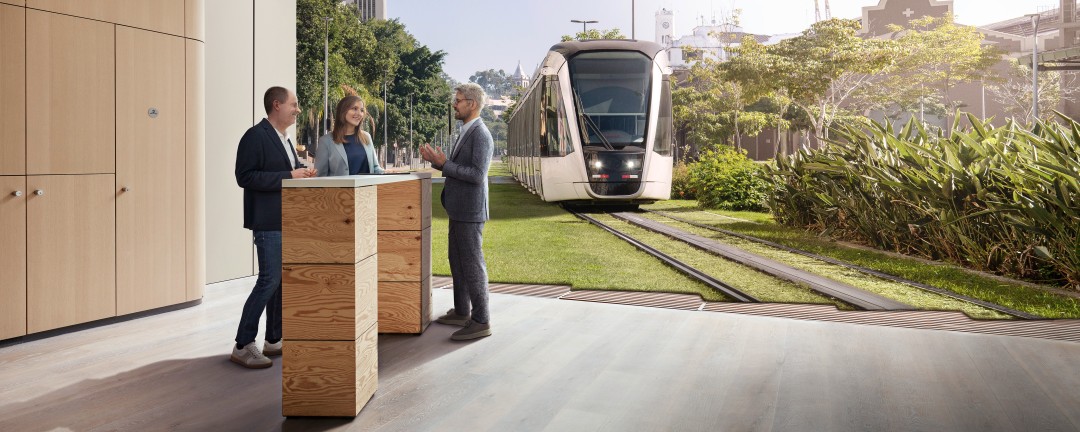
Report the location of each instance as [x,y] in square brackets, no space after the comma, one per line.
[664,32]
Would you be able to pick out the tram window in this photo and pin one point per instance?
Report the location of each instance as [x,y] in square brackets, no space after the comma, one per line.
[663,129]
[612,97]
[549,125]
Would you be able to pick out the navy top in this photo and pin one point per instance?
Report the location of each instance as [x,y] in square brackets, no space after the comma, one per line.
[358,163]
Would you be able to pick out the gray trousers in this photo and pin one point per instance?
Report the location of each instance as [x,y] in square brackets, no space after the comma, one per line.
[468,269]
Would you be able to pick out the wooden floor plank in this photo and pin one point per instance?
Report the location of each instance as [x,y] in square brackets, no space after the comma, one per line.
[557,365]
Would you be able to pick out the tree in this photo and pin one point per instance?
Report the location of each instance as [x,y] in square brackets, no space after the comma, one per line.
[1013,92]
[935,55]
[495,83]
[595,34]
[824,67]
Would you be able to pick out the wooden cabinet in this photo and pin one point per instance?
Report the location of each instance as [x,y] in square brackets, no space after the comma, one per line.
[165,16]
[405,256]
[12,90]
[196,173]
[70,74]
[70,250]
[150,170]
[329,302]
[13,265]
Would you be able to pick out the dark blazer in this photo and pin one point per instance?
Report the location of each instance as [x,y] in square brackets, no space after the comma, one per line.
[261,165]
[465,193]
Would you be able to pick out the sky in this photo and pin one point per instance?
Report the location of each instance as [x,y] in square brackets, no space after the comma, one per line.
[497,34]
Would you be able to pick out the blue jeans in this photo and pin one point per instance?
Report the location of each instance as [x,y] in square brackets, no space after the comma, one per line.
[267,292]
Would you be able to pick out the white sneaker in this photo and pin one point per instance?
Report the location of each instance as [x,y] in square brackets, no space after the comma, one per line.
[250,357]
[272,349]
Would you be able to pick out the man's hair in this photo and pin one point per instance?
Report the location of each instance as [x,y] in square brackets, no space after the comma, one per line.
[473,92]
[275,93]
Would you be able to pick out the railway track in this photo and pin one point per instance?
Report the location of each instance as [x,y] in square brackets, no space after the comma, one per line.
[992,306]
[854,296]
[710,281]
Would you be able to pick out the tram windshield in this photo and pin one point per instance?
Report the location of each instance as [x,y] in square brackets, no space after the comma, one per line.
[611,94]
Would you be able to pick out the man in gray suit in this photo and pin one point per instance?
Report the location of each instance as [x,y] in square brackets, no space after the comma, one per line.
[465,198]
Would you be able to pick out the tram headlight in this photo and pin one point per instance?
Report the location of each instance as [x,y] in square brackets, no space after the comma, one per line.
[630,164]
[597,164]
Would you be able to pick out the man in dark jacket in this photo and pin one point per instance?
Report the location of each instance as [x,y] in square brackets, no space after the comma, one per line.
[264,158]
[465,198]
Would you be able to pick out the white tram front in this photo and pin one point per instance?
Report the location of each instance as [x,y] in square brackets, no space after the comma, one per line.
[594,126]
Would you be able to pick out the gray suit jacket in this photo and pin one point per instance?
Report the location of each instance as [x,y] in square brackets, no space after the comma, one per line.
[331,160]
[465,193]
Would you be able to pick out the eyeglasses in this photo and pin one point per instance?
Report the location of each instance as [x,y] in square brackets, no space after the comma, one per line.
[457,101]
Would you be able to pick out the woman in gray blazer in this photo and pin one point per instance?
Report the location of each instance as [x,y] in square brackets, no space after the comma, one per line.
[347,150]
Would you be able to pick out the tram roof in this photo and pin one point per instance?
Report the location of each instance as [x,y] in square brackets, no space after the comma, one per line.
[569,49]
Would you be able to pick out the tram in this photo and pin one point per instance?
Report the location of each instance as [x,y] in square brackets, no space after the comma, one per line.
[594,127]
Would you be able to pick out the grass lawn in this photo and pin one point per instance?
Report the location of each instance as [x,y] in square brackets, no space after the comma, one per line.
[531,241]
[1016,296]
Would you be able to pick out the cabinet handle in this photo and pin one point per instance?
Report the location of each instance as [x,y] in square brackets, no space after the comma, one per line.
[39,192]
[17,193]
[125,189]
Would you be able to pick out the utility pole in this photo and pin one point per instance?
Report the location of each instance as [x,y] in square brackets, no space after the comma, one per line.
[326,77]
[584,23]
[1034,66]
[633,23]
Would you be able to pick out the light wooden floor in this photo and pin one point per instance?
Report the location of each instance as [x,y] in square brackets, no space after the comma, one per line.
[561,366]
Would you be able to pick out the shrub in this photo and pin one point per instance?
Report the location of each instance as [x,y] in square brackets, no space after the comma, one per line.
[998,199]
[724,178]
[680,182]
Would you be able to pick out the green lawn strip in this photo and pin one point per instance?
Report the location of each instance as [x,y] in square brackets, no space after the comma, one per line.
[1023,298]
[677,206]
[757,284]
[530,241]
[498,168]
[889,289]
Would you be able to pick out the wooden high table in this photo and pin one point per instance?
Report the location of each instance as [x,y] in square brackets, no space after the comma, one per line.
[356,254]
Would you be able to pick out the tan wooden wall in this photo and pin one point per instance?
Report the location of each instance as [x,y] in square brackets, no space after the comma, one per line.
[101,159]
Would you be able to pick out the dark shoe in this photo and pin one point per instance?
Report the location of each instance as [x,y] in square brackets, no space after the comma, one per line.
[474,330]
[271,349]
[452,318]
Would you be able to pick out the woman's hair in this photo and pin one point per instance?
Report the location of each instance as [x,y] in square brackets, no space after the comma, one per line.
[341,125]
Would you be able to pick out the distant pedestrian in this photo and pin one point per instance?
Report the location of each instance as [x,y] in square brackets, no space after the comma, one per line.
[264,158]
[465,198]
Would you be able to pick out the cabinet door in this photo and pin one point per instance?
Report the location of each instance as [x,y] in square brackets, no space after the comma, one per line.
[12,90]
[70,250]
[70,75]
[150,165]
[13,264]
[196,171]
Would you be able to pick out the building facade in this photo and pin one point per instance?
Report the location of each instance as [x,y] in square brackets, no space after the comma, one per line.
[369,9]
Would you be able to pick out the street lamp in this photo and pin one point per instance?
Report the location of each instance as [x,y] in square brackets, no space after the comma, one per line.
[326,77]
[583,23]
[1034,65]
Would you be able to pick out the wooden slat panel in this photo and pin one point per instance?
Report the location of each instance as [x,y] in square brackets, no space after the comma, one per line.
[196,168]
[69,59]
[13,266]
[195,19]
[71,250]
[151,215]
[401,306]
[400,206]
[12,90]
[329,378]
[328,225]
[14,2]
[166,16]
[329,301]
[425,200]
[404,255]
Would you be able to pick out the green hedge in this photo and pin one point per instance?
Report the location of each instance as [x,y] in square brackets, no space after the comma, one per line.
[724,178]
[1003,199]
